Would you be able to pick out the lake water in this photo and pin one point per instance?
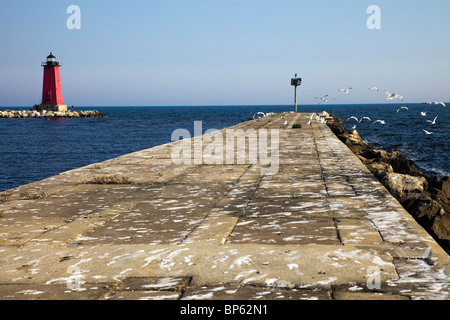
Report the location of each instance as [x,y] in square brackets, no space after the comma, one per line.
[34,149]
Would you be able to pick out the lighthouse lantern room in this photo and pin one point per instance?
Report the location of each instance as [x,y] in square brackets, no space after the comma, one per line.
[52,99]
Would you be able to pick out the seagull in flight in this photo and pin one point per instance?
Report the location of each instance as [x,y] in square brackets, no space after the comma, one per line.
[259,115]
[373,88]
[434,121]
[423,114]
[354,118]
[367,118]
[324,98]
[346,91]
[392,96]
[358,120]
[427,132]
[380,121]
[440,103]
[404,107]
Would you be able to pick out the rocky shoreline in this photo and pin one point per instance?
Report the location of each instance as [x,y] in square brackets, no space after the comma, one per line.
[50,114]
[426,198]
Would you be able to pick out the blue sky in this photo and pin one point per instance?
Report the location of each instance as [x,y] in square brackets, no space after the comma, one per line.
[225,52]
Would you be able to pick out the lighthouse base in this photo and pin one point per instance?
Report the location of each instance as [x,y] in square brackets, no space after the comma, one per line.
[50,107]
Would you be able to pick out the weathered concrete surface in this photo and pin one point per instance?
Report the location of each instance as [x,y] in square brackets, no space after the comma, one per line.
[143,227]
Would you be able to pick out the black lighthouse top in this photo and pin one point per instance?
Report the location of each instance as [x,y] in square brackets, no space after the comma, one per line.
[51,61]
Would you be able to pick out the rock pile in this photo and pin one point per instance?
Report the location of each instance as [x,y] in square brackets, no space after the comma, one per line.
[50,114]
[426,198]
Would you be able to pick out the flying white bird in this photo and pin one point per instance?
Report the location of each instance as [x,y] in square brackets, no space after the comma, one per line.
[434,121]
[259,115]
[440,103]
[345,90]
[423,114]
[404,107]
[323,99]
[285,122]
[380,121]
[389,96]
[427,132]
[373,88]
[392,96]
[354,118]
[310,118]
[358,120]
[367,118]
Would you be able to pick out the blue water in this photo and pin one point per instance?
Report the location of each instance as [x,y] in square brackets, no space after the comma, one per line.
[34,149]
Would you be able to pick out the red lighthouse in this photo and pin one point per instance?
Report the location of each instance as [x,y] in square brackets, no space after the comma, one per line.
[52,99]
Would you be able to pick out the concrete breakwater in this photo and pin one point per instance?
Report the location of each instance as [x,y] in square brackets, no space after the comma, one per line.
[50,114]
[142,226]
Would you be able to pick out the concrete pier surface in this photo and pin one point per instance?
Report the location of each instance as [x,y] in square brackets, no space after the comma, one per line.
[314,224]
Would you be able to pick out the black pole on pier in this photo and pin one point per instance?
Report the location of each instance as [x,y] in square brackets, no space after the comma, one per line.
[295,82]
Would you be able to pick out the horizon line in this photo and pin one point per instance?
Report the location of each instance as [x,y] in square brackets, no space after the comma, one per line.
[223,105]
